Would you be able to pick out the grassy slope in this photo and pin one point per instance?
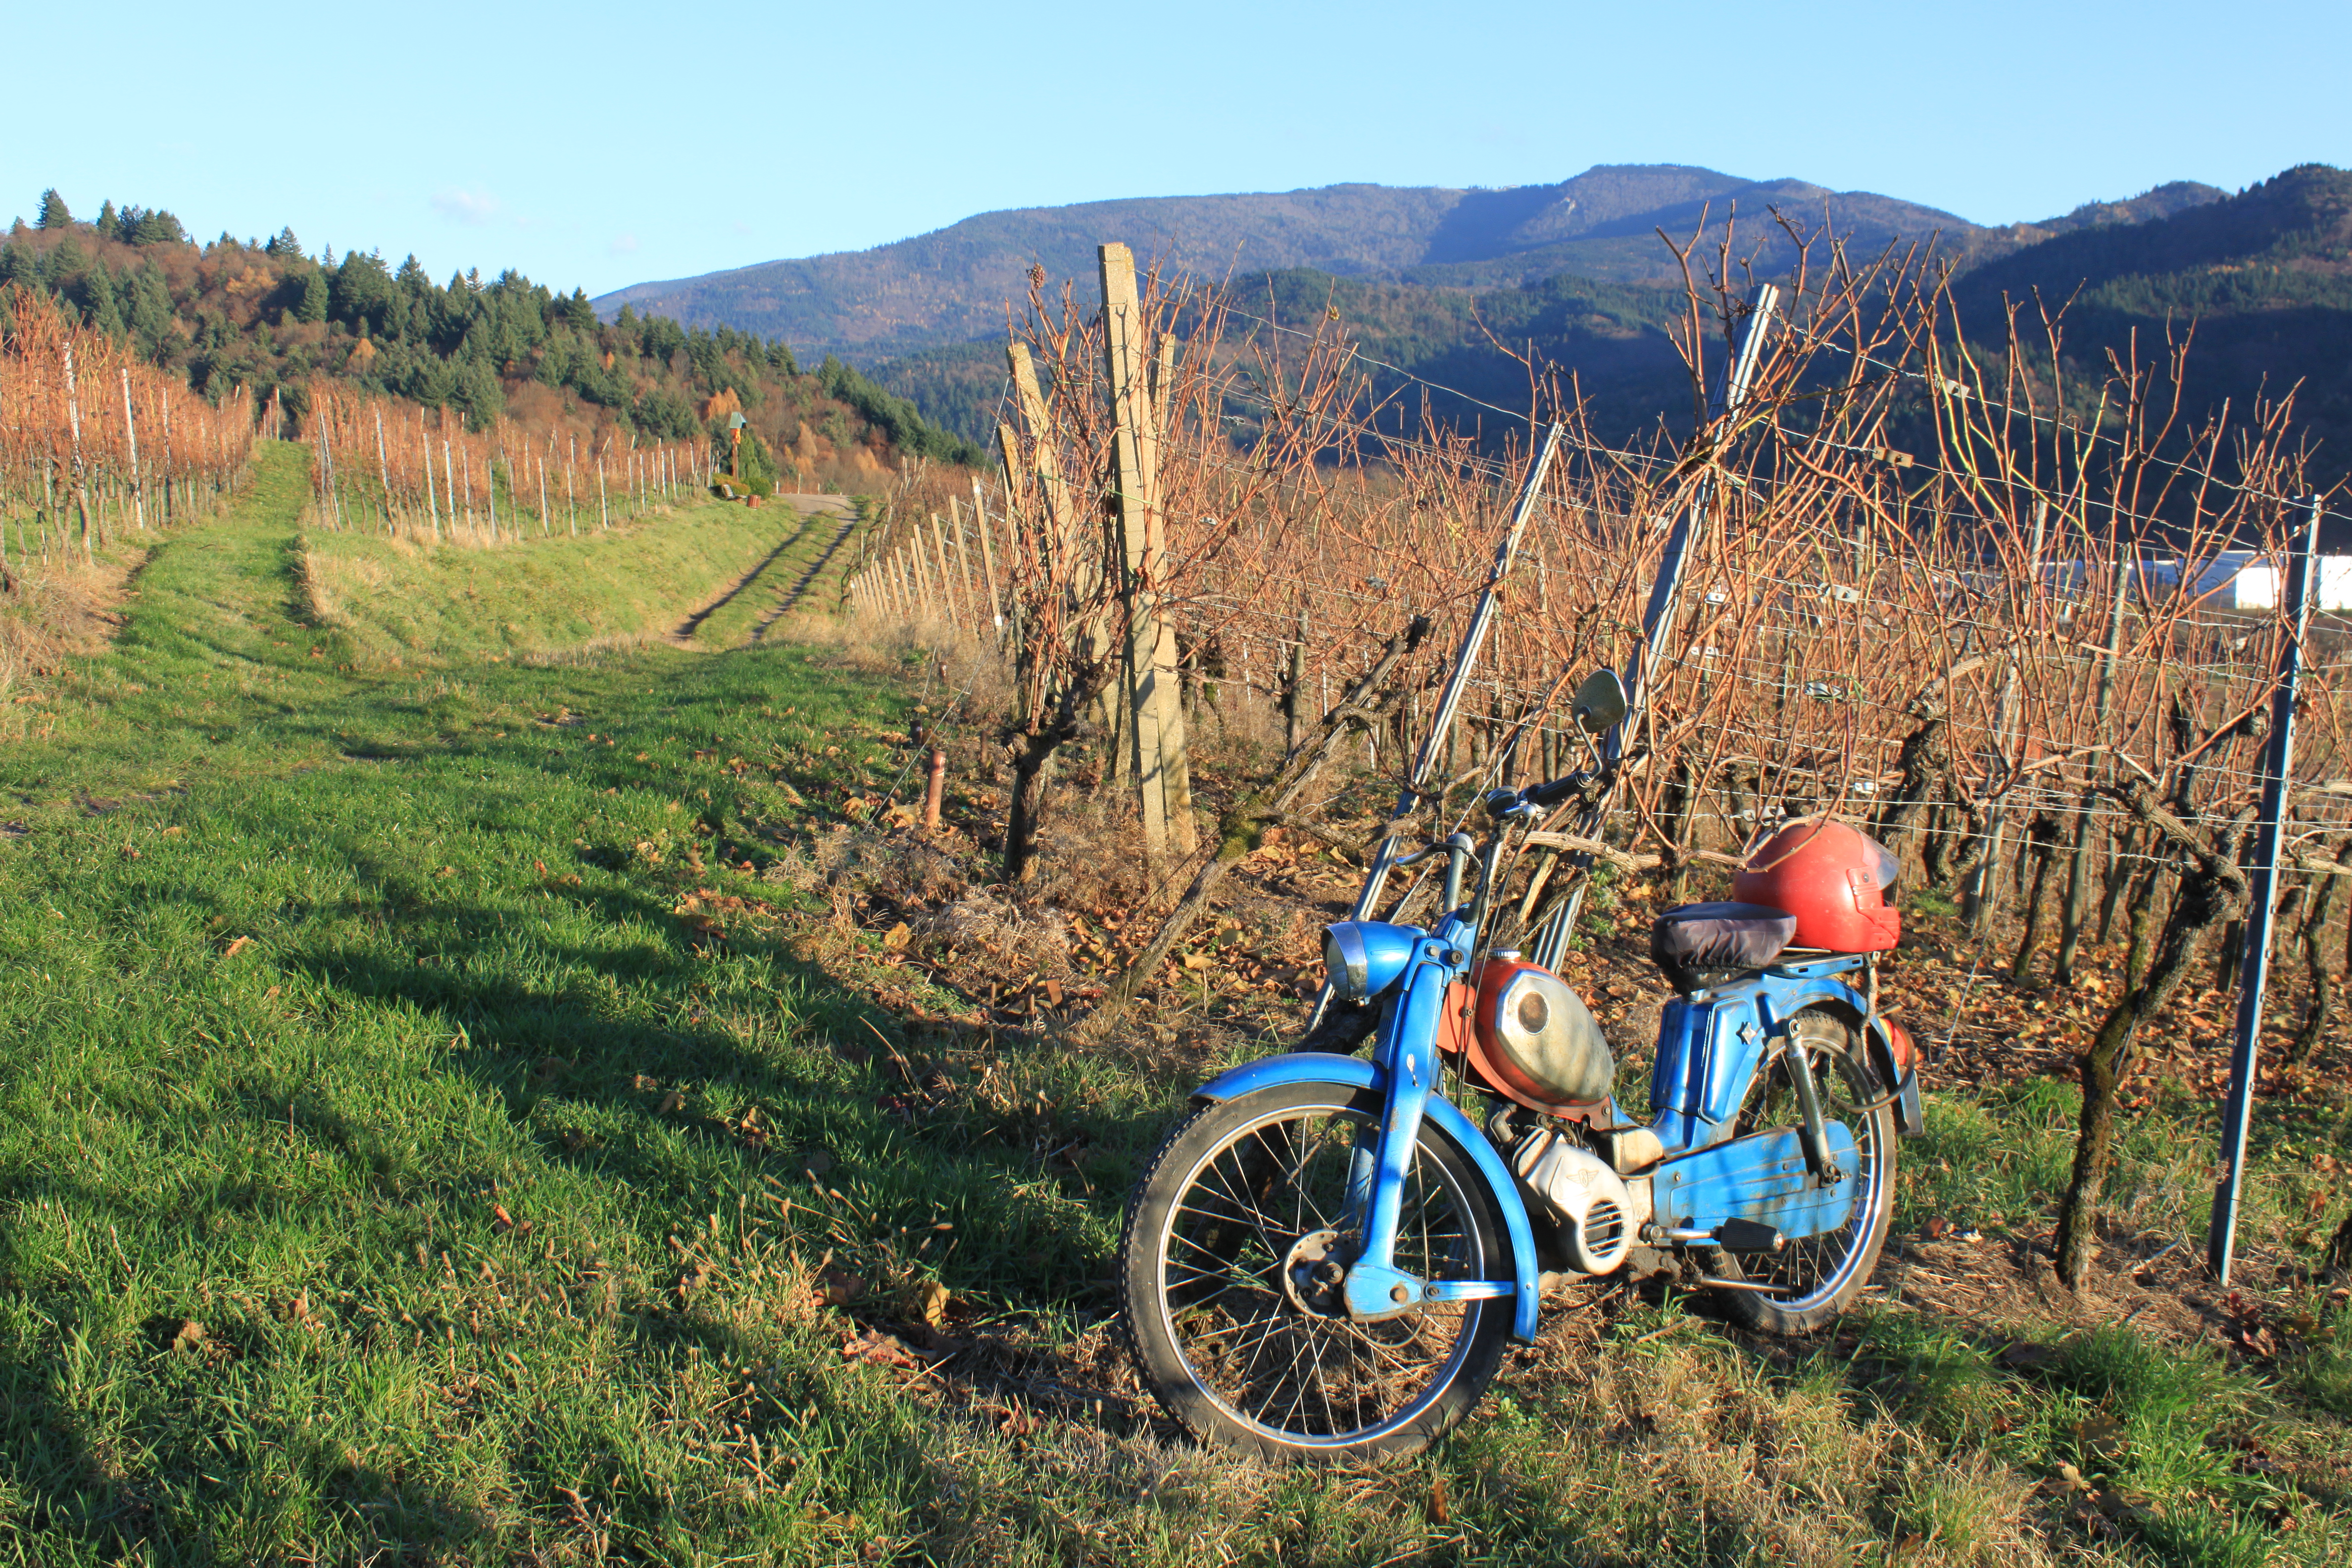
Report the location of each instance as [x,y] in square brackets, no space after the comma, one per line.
[389,600]
[343,1017]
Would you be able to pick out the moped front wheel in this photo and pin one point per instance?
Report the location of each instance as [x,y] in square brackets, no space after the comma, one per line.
[1236,1234]
[1813,1278]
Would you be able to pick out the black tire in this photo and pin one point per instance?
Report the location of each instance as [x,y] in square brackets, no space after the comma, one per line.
[1239,1362]
[1818,1277]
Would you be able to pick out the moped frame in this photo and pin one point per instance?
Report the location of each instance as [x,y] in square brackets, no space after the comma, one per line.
[1711,1044]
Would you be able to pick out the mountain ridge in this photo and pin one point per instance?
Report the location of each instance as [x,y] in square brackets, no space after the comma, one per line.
[953,283]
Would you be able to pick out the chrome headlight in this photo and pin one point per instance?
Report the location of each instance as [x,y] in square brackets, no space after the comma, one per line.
[1364,957]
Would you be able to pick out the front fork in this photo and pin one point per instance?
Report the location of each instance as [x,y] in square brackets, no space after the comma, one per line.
[1407,1053]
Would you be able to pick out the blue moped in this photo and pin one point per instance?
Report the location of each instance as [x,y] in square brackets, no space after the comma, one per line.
[1327,1257]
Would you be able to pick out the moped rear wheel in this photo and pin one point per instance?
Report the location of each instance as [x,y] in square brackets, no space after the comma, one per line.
[1813,1278]
[1236,1230]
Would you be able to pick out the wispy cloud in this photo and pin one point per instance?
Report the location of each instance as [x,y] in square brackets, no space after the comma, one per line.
[623,244]
[466,206]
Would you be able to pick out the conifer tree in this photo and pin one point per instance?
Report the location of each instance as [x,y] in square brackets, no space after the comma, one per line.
[110,226]
[54,212]
[313,307]
[151,310]
[101,307]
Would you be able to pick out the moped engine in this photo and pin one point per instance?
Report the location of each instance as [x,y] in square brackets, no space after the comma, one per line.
[1597,1213]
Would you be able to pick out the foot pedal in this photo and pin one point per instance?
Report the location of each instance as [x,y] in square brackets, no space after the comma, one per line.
[1746,1236]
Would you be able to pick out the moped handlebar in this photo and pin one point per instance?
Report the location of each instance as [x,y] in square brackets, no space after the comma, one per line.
[1552,793]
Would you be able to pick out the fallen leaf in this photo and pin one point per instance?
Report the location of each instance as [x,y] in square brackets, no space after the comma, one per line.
[839,1287]
[935,1300]
[270,993]
[237,947]
[672,1102]
[190,1339]
[895,939]
[877,1348]
[1439,1511]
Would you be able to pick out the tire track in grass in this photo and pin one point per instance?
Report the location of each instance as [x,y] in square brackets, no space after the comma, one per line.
[799,590]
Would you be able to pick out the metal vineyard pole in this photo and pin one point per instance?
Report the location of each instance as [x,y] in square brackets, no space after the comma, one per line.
[2253,968]
[1481,618]
[1659,618]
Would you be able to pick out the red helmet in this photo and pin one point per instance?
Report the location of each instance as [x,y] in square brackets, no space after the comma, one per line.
[1833,877]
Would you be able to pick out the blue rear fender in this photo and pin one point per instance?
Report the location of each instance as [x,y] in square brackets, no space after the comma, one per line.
[1787,997]
[1355,1072]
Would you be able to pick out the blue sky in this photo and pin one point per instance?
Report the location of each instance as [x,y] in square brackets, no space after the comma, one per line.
[599,144]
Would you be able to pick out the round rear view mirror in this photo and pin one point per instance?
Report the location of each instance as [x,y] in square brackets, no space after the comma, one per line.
[1600,701]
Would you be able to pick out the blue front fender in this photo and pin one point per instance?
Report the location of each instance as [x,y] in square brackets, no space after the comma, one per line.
[1355,1072]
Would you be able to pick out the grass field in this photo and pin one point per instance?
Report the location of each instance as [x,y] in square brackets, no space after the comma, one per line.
[447,1122]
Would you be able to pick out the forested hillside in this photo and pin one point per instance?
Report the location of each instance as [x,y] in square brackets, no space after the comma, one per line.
[274,318]
[2259,283]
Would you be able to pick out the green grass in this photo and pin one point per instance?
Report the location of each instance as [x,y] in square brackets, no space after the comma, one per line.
[355,1014]
[386,601]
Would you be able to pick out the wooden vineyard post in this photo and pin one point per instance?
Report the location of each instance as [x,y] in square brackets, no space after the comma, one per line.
[80,470]
[1163,771]
[604,501]
[130,434]
[571,498]
[963,557]
[171,510]
[448,484]
[940,557]
[432,502]
[326,449]
[384,470]
[987,556]
[541,458]
[1984,901]
[928,597]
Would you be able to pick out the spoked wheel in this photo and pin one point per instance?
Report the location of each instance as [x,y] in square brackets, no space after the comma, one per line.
[1815,1278]
[1236,1239]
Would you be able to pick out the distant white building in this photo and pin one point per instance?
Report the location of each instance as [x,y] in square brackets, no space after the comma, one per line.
[2244,580]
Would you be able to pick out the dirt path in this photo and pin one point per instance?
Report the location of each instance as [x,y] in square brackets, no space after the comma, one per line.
[813,510]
